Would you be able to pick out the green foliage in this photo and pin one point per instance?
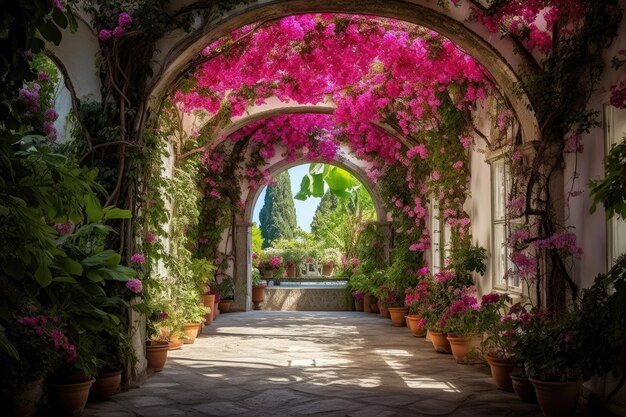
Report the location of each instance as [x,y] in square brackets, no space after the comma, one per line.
[341,227]
[328,204]
[321,176]
[329,255]
[611,191]
[257,239]
[468,259]
[278,215]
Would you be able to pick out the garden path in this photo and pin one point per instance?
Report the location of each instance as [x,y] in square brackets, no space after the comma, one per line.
[312,363]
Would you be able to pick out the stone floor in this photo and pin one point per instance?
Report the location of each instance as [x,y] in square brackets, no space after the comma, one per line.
[312,363]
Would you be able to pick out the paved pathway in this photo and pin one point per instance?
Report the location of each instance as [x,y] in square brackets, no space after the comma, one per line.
[312,363]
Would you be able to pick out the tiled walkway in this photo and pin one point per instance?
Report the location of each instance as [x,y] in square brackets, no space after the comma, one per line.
[312,363]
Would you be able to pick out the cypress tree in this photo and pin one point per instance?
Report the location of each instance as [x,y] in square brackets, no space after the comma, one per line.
[278,215]
[327,205]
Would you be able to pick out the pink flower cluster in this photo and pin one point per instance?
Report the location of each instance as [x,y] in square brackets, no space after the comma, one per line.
[63,228]
[137,258]
[275,262]
[134,285]
[124,21]
[618,95]
[48,326]
[565,241]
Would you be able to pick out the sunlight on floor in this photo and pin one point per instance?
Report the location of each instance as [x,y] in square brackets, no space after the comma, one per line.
[410,379]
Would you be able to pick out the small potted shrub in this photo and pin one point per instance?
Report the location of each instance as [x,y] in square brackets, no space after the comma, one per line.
[330,258]
[258,289]
[225,287]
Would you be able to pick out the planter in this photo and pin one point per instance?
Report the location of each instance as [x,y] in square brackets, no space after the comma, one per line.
[290,271]
[107,384]
[523,388]
[428,339]
[268,273]
[397,316]
[70,398]
[384,311]
[27,401]
[462,348]
[367,303]
[374,305]
[208,300]
[439,341]
[557,399]
[225,306]
[216,310]
[258,295]
[359,305]
[191,332]
[501,370]
[156,354]
[413,323]
[175,342]
[327,268]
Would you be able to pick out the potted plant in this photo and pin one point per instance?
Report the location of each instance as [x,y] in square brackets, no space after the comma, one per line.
[192,314]
[358,300]
[157,343]
[498,329]
[461,323]
[418,299]
[258,289]
[270,263]
[329,258]
[225,287]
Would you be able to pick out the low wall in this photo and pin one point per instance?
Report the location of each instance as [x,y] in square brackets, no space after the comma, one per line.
[306,299]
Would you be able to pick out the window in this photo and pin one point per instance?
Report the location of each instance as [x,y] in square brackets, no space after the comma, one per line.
[440,235]
[615,130]
[501,263]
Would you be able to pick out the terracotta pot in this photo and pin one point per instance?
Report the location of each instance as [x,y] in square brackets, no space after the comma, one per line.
[268,273]
[374,305]
[397,316]
[439,341]
[258,295]
[462,348]
[175,342]
[107,384]
[359,305]
[72,397]
[156,354]
[290,271]
[413,323]
[501,369]
[208,300]
[428,339]
[200,327]
[367,303]
[216,310]
[557,399]
[523,388]
[225,306]
[191,332]
[27,401]
[384,311]
[327,269]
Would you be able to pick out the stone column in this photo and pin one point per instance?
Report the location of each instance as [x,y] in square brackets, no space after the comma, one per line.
[242,276]
[385,229]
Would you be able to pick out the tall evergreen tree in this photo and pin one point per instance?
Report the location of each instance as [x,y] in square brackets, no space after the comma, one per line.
[278,215]
[327,205]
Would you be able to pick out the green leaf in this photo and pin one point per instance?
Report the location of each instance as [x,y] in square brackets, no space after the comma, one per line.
[59,18]
[116,213]
[70,266]
[93,208]
[304,193]
[43,274]
[66,279]
[317,185]
[50,32]
[7,346]
[94,275]
[105,258]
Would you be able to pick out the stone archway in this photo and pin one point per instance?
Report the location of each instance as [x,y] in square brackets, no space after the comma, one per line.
[243,223]
[494,54]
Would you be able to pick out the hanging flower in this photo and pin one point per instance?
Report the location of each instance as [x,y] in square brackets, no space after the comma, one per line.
[137,258]
[134,285]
